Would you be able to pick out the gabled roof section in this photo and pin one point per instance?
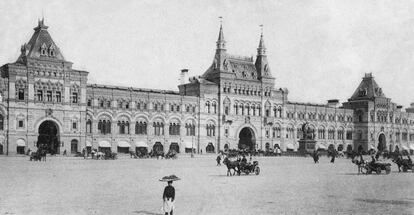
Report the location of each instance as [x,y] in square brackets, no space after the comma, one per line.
[367,89]
[242,67]
[41,45]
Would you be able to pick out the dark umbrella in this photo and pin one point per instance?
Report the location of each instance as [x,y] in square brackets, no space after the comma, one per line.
[170,178]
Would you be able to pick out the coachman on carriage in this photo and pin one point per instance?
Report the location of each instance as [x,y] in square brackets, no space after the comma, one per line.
[240,166]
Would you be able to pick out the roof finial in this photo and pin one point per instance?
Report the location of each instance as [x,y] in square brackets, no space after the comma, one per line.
[220,41]
[261,29]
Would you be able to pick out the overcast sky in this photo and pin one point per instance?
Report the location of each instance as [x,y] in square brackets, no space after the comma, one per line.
[319,50]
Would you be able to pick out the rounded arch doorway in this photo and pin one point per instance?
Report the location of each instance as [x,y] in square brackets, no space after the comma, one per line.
[382,144]
[247,139]
[48,138]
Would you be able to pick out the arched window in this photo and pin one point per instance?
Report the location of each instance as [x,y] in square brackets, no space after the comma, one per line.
[211,130]
[174,129]
[89,126]
[214,107]
[104,126]
[207,107]
[141,127]
[236,109]
[1,122]
[158,128]
[190,129]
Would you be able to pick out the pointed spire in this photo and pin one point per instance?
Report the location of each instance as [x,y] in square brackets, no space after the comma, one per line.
[221,43]
[261,50]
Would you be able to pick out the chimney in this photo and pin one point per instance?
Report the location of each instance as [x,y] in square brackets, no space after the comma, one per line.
[183,76]
[333,103]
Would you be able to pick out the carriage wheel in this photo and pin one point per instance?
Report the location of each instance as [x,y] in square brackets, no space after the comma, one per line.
[369,170]
[404,169]
[257,170]
[387,169]
[378,170]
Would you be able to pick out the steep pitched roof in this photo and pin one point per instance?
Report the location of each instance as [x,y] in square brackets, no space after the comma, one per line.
[367,89]
[243,67]
[41,39]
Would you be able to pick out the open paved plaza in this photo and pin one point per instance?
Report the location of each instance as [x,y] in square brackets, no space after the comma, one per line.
[286,185]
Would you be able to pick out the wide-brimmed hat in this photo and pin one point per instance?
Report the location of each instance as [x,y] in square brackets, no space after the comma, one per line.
[170,178]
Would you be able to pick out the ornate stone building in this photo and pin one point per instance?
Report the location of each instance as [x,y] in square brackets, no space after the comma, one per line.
[234,104]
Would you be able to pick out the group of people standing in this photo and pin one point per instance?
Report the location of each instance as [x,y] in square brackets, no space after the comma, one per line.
[316,155]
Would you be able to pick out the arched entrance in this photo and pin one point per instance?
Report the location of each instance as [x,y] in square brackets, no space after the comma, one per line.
[175,147]
[158,147]
[247,139]
[48,138]
[382,145]
[210,148]
[74,146]
[226,147]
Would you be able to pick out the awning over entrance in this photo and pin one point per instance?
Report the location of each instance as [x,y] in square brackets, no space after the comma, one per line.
[123,144]
[190,145]
[405,148]
[141,144]
[412,146]
[88,143]
[290,146]
[320,146]
[21,142]
[104,144]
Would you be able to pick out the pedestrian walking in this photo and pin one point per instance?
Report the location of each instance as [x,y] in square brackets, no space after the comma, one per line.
[333,156]
[169,195]
[315,156]
[218,159]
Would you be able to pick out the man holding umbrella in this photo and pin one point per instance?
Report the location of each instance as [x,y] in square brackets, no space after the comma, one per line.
[169,194]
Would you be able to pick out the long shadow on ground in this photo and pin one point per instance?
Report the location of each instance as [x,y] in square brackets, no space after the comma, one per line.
[147,213]
[382,201]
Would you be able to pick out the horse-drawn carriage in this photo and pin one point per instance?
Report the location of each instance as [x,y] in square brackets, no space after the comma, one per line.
[249,168]
[36,156]
[240,166]
[406,164]
[370,167]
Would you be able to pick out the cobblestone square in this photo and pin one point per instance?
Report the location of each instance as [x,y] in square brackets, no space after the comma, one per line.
[286,185]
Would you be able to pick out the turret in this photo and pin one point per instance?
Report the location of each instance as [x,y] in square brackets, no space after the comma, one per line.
[262,66]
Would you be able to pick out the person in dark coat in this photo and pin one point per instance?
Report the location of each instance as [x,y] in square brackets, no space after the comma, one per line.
[316,156]
[333,156]
[168,196]
[218,159]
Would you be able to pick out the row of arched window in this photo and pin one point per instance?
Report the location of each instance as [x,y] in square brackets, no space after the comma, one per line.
[174,129]
[211,130]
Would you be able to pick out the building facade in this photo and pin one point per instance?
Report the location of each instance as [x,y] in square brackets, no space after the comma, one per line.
[233,104]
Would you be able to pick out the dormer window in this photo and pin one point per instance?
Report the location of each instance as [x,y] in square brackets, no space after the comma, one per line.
[43,49]
[52,50]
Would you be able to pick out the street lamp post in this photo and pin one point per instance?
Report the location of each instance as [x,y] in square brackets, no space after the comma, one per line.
[192,137]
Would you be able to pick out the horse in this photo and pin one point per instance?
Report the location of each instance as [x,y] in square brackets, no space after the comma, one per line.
[231,165]
[359,161]
[402,162]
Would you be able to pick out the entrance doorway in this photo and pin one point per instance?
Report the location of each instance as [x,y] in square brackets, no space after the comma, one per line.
[210,148]
[382,145]
[48,138]
[158,147]
[247,139]
[74,146]
[175,147]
